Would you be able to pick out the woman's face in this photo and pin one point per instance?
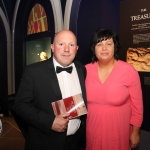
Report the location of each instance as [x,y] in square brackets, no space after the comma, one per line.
[104,50]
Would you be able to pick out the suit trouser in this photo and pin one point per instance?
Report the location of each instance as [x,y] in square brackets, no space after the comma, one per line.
[75,141]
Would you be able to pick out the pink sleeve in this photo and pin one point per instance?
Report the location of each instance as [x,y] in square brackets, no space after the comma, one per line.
[135,92]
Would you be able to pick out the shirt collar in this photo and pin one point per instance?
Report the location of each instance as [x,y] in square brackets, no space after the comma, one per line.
[57,64]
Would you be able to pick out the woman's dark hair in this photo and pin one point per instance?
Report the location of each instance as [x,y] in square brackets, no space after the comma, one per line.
[101,35]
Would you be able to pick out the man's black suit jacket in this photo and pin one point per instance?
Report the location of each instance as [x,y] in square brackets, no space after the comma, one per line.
[38,88]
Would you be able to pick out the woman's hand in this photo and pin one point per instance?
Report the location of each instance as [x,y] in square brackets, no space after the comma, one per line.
[135,137]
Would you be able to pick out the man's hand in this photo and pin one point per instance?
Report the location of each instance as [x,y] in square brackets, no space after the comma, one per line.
[60,122]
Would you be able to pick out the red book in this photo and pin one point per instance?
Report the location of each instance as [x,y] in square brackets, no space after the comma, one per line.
[74,105]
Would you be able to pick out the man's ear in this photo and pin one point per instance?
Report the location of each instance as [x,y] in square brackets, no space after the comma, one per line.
[77,47]
[52,47]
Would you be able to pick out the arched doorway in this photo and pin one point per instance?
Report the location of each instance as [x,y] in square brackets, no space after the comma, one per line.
[23,40]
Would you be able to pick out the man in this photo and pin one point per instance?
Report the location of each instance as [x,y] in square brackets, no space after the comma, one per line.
[40,86]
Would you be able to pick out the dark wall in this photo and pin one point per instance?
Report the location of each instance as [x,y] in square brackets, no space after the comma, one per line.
[93,15]
[63,5]
[8,7]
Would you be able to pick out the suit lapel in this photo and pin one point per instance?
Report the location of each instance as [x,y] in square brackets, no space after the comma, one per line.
[53,79]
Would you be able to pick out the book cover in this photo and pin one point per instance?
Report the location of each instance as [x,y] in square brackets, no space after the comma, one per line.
[74,105]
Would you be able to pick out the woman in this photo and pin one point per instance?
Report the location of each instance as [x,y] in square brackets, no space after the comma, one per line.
[114,96]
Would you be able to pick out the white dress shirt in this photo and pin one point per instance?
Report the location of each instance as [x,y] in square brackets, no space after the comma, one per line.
[69,85]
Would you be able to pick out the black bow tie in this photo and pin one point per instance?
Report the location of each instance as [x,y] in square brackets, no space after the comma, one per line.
[68,69]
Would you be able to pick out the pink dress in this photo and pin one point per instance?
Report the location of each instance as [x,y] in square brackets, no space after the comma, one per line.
[112,107]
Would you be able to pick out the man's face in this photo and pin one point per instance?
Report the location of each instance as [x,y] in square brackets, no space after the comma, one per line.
[64,47]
